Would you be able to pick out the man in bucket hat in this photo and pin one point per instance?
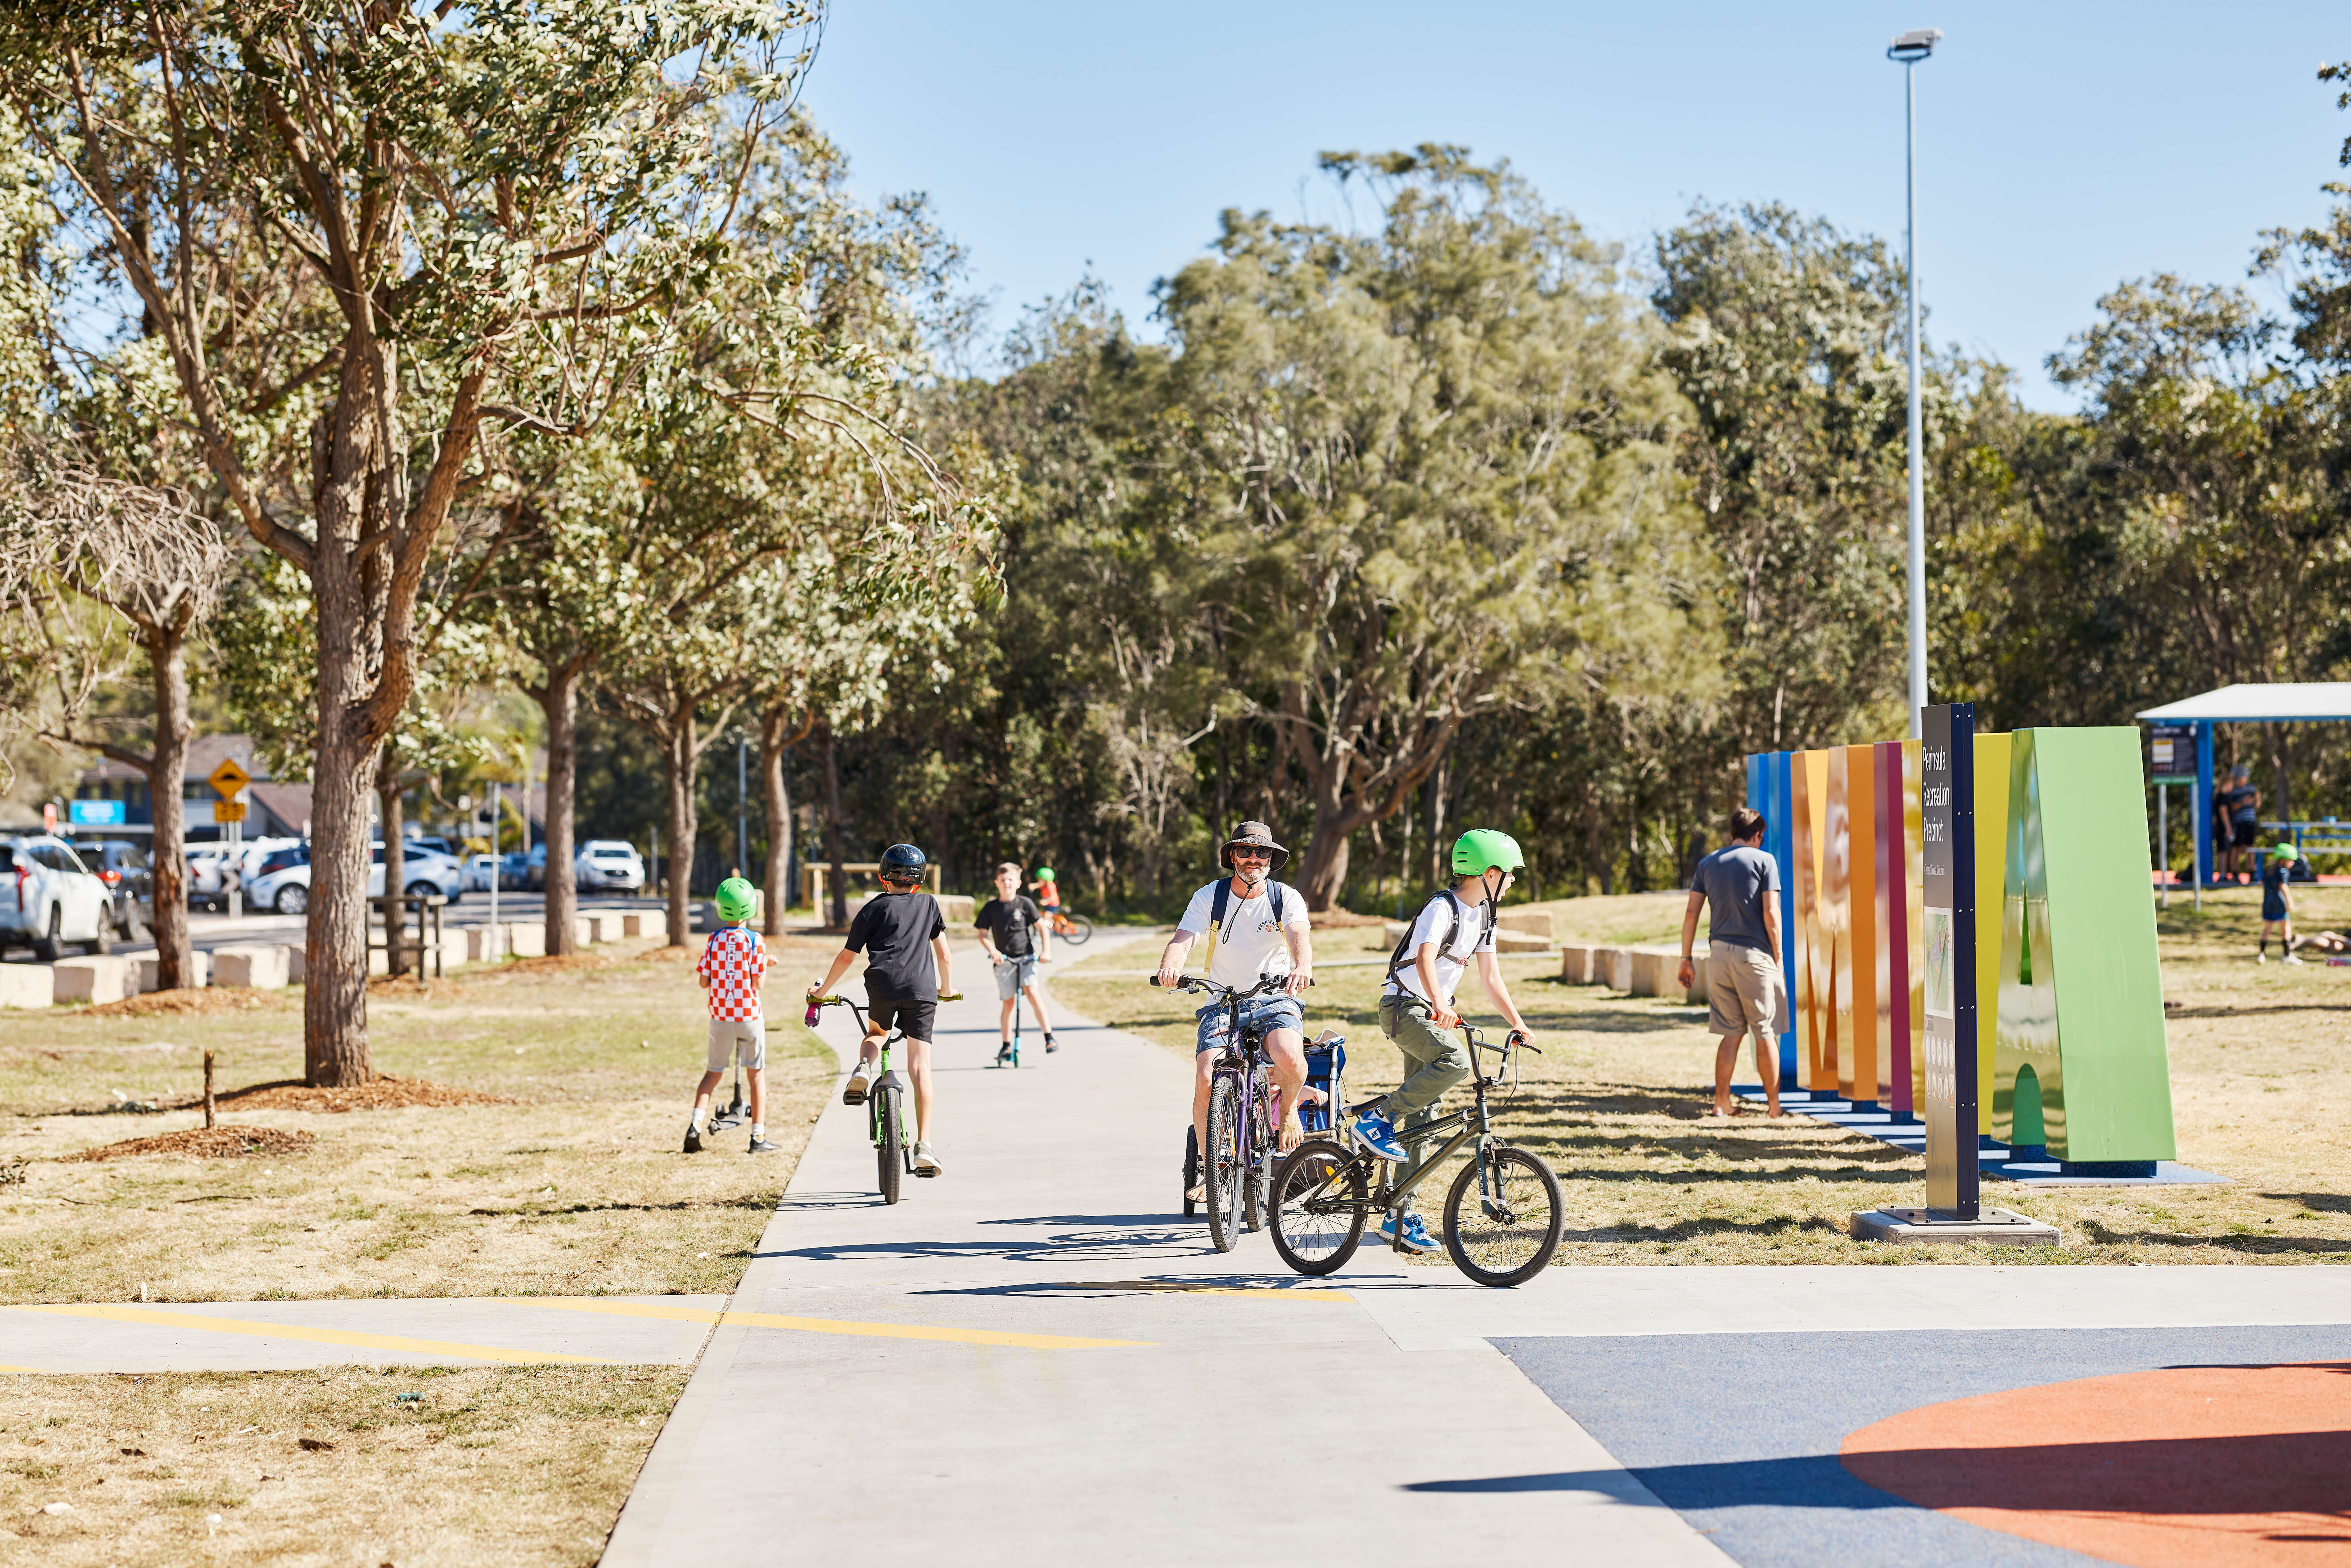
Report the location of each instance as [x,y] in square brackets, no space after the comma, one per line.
[1256,928]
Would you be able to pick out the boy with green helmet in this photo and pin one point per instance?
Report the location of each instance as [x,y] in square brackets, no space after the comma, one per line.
[732,964]
[1416,1008]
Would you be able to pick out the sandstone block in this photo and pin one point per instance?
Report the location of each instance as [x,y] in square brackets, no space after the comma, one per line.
[261,967]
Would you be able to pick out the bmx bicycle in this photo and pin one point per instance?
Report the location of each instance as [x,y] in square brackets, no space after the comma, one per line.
[885,1101]
[1502,1220]
[1238,1167]
[1071,928]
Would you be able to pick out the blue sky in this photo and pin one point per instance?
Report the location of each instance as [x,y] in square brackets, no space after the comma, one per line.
[2062,148]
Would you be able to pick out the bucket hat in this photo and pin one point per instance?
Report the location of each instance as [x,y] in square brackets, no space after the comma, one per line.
[1257,835]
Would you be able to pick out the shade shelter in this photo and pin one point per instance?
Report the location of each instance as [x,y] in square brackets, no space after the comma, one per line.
[2282,702]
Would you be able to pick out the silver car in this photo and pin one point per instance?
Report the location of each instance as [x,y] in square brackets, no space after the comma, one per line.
[608,866]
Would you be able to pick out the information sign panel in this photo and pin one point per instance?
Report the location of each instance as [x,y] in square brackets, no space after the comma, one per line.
[228,810]
[1948,860]
[96,813]
[2171,754]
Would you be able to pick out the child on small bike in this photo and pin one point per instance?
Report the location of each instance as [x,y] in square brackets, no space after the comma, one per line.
[732,964]
[1416,1008]
[903,984]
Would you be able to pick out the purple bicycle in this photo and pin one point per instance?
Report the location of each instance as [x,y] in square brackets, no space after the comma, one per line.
[1238,1167]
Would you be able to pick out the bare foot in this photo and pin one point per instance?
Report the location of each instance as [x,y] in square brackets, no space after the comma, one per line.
[1719,1111]
[1198,1194]
[1293,1132]
[1777,1114]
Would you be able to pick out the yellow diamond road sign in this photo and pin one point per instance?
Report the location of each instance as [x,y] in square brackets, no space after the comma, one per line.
[228,777]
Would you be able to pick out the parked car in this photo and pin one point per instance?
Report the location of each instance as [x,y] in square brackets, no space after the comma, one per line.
[608,866]
[433,842]
[481,873]
[534,869]
[208,877]
[129,883]
[48,898]
[286,889]
[514,870]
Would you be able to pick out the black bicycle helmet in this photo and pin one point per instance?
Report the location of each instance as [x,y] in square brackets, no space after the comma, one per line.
[902,862]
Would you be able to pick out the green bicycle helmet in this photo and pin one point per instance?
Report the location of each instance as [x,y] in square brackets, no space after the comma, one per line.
[1481,850]
[735,897]
[1045,873]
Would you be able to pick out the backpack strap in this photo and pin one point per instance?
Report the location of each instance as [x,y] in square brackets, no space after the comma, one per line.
[1221,900]
[1404,953]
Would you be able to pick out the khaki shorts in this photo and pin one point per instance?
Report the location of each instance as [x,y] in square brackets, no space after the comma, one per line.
[1743,992]
[729,1036]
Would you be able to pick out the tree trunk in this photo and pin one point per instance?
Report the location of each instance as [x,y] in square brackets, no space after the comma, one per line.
[1438,864]
[334,987]
[396,862]
[776,789]
[678,753]
[168,760]
[560,701]
[839,901]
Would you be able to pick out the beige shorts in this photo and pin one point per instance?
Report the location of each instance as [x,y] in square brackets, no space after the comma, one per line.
[730,1036]
[1743,992]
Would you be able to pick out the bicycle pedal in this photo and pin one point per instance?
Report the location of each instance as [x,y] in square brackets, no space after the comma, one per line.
[926,1174]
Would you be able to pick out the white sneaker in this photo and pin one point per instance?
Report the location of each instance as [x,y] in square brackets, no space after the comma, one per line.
[861,1079]
[927,1164]
[2289,958]
[2261,957]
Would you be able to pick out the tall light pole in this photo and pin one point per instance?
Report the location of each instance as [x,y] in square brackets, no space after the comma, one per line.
[1909,48]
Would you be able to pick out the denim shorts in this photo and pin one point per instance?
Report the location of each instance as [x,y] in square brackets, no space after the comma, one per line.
[1266,1013]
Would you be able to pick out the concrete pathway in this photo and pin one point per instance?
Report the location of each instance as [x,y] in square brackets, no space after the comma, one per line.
[1062,1370]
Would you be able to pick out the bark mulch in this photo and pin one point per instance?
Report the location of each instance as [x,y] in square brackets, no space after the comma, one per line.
[385,1092]
[183,1003]
[222,1143]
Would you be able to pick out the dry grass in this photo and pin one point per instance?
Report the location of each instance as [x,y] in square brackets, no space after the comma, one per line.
[2257,1083]
[513,1466]
[565,1177]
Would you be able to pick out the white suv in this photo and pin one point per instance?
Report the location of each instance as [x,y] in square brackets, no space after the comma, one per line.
[286,888]
[48,898]
[608,863]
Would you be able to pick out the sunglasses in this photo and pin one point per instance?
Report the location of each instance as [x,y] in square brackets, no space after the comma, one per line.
[1247,854]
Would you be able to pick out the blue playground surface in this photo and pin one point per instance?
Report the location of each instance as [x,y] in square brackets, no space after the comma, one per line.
[1739,1433]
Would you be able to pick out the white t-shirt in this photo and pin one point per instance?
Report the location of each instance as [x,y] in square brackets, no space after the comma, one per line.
[1473,932]
[1248,946]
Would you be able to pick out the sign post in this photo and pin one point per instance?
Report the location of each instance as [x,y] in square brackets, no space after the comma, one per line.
[1947,798]
[2172,752]
[230,780]
[1948,835]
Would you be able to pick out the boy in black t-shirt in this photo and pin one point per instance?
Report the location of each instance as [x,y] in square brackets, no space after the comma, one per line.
[1014,932]
[903,983]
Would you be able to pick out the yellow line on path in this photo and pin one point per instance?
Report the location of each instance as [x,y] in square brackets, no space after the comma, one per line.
[828,1325]
[31,1369]
[149,1318]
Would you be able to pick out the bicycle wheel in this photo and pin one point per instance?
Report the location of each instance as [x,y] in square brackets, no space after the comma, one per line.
[1075,929]
[1318,1208]
[1506,1234]
[1223,1170]
[1256,1190]
[889,1149]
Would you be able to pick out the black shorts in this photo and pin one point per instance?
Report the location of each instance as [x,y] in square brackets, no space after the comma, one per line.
[2244,833]
[916,1018]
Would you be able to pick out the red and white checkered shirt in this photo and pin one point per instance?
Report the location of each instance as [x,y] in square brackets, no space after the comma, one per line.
[732,962]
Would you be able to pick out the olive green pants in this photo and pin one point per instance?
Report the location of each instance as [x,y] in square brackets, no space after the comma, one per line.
[1433,1062]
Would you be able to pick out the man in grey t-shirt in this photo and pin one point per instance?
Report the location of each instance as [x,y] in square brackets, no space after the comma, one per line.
[1738,884]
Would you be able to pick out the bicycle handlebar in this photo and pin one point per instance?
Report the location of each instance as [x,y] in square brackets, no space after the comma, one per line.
[840,1002]
[1201,983]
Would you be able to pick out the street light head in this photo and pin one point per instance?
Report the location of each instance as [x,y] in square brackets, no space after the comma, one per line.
[1914,46]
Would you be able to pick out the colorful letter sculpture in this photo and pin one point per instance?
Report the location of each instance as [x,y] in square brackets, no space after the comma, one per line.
[2075,1062]
[2080,1063]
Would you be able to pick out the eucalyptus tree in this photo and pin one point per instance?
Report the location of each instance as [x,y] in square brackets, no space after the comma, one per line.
[361,235]
[1418,473]
[149,569]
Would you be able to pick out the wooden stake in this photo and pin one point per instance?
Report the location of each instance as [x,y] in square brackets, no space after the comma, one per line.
[208,1089]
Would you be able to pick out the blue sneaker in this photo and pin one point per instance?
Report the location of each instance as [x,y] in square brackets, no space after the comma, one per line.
[1377,1133]
[1416,1238]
